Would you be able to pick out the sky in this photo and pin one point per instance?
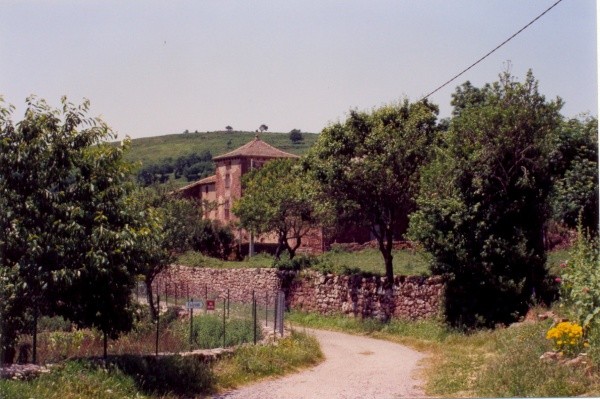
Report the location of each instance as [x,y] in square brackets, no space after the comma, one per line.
[155,67]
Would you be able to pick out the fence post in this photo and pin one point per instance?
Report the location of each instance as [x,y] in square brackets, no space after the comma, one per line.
[191,322]
[275,316]
[206,297]
[254,317]
[228,303]
[35,320]
[157,322]
[280,310]
[224,322]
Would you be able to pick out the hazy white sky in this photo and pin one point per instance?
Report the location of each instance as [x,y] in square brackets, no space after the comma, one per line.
[151,68]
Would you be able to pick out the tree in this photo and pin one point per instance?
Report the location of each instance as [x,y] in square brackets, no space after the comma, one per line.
[228,128]
[574,163]
[279,199]
[483,203]
[296,136]
[263,128]
[169,227]
[368,167]
[67,236]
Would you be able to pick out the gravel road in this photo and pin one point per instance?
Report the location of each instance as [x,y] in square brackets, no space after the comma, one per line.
[354,367]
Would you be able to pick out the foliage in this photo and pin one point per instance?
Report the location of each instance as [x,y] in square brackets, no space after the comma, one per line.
[193,166]
[368,167]
[181,375]
[263,128]
[580,285]
[67,235]
[280,199]
[211,238]
[483,203]
[169,225]
[567,337]
[296,136]
[575,167]
[73,380]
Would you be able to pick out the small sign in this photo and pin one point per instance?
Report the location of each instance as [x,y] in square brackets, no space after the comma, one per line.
[194,305]
[210,305]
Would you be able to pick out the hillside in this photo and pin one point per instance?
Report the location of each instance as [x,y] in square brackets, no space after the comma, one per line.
[152,150]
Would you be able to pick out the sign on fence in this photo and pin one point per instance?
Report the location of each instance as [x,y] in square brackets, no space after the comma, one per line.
[194,305]
[210,305]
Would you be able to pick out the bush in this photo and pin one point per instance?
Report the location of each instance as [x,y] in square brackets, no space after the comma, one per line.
[182,375]
[580,282]
[213,239]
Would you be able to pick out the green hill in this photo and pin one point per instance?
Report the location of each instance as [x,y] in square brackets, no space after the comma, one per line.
[152,150]
[157,157]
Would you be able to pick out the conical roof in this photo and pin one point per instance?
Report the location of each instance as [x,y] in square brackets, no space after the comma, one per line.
[255,148]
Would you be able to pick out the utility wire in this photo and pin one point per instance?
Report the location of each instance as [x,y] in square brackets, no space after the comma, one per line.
[490,53]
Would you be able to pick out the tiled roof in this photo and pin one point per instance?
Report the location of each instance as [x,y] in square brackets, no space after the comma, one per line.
[256,148]
[206,180]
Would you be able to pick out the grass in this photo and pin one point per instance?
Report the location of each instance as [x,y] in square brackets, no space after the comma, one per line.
[406,262]
[151,150]
[252,363]
[498,363]
[167,378]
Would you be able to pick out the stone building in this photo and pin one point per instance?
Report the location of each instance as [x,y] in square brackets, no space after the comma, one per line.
[217,193]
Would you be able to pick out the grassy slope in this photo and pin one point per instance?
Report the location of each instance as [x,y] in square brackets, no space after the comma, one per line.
[406,263]
[151,150]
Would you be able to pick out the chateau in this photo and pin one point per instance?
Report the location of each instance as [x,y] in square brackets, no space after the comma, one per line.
[217,193]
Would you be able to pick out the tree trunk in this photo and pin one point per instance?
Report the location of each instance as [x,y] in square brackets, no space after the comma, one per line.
[150,298]
[385,241]
[291,250]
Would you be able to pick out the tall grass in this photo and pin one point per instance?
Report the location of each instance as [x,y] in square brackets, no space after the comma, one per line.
[166,377]
[251,363]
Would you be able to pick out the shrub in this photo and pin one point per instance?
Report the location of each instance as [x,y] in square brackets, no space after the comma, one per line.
[580,282]
[182,375]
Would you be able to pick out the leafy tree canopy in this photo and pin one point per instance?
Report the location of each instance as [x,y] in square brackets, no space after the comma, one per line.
[278,198]
[483,201]
[574,162]
[368,166]
[67,236]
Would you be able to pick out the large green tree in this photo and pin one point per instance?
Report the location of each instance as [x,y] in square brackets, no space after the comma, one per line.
[280,199]
[66,237]
[483,202]
[574,163]
[368,166]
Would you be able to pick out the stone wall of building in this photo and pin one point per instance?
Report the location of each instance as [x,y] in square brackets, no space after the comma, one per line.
[410,297]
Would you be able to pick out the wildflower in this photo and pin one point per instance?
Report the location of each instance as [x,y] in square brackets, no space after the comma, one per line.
[563,265]
[558,280]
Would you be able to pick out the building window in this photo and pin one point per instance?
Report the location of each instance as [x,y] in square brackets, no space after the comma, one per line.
[228,165]
[227,180]
[206,189]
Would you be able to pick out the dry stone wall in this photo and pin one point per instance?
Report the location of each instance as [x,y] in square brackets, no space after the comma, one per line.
[409,297]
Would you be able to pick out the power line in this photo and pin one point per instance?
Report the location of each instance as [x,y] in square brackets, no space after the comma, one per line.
[490,53]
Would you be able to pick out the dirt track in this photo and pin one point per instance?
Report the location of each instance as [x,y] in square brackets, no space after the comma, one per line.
[354,367]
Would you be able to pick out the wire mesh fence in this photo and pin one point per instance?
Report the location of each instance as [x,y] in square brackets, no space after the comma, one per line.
[215,319]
